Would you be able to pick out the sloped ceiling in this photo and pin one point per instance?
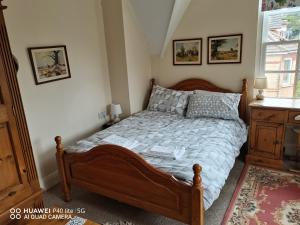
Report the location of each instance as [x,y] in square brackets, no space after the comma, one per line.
[158,20]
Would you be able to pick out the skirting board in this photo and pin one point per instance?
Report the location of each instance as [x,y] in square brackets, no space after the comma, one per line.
[50,180]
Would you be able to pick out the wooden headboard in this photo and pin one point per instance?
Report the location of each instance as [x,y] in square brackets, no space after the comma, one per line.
[200,84]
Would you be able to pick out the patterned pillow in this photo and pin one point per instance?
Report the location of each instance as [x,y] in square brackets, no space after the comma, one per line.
[214,105]
[167,100]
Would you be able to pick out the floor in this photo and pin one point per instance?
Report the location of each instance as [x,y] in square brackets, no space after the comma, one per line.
[102,210]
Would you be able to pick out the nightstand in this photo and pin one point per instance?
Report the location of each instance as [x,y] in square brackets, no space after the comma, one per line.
[268,121]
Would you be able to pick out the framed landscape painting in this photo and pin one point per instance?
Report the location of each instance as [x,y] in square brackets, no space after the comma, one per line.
[187,51]
[49,63]
[224,49]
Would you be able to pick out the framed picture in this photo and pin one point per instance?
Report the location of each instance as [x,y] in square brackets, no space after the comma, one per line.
[49,63]
[224,49]
[187,51]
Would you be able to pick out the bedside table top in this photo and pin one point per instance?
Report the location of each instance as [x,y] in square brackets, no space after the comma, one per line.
[283,103]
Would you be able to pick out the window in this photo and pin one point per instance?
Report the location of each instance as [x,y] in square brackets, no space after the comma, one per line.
[287,66]
[281,52]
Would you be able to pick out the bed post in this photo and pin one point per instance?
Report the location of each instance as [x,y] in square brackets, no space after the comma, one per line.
[197,198]
[61,168]
[244,100]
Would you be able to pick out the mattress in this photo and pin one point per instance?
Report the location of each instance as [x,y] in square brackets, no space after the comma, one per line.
[213,143]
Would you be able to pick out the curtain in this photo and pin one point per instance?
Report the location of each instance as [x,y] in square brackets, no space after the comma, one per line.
[279,4]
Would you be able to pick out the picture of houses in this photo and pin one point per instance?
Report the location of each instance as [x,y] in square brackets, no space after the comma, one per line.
[187,51]
[281,59]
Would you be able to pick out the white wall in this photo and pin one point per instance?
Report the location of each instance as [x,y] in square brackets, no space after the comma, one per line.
[68,107]
[128,56]
[115,45]
[207,18]
[138,59]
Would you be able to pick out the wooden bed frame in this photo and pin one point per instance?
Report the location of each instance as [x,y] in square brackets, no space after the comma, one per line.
[120,174]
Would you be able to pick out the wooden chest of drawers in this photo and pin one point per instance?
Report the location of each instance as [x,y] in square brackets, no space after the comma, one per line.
[268,120]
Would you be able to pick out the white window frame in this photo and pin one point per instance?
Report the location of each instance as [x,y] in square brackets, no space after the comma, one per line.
[288,81]
[290,60]
[264,46]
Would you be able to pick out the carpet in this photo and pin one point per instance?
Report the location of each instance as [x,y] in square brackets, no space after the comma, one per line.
[265,197]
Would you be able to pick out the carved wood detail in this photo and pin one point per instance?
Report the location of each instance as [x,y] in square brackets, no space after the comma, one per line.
[197,84]
[11,77]
[26,192]
[61,168]
[269,119]
[197,192]
[121,174]
[130,179]
[35,200]
[2,7]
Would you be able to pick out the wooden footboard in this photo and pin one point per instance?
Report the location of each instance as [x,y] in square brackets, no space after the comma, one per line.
[120,174]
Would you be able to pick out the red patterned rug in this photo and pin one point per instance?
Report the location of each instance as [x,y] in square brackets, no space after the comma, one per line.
[265,197]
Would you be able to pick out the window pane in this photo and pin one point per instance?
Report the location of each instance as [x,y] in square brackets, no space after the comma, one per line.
[280,57]
[282,25]
[297,93]
[280,85]
[288,64]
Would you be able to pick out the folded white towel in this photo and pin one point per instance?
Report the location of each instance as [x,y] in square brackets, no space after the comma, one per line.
[164,152]
[123,142]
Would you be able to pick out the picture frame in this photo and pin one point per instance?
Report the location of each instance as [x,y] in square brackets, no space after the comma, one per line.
[225,49]
[49,63]
[187,51]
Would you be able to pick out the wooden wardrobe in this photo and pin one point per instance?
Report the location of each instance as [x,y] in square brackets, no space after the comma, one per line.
[19,186]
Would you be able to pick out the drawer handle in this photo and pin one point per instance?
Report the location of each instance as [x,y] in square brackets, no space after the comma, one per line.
[12,193]
[276,142]
[297,117]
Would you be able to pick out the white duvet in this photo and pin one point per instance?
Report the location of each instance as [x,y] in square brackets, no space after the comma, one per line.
[213,143]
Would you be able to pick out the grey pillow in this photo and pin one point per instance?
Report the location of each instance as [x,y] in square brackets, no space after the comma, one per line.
[214,105]
[167,100]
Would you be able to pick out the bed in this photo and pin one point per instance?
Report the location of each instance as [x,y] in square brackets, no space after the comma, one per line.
[173,188]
